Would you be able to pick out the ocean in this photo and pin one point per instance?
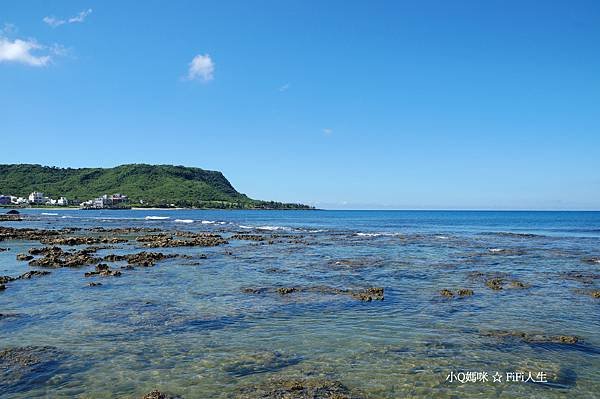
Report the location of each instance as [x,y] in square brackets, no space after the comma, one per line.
[474,304]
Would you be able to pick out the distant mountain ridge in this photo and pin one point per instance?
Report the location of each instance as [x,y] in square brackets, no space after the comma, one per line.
[154,185]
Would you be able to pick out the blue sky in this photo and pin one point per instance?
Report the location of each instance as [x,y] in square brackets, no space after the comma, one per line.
[341,104]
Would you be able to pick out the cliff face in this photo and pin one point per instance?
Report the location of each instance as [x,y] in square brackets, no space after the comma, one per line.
[155,185]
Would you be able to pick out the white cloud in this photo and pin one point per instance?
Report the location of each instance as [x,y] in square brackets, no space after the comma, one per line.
[56,22]
[285,87]
[81,16]
[201,68]
[22,51]
[53,22]
[327,131]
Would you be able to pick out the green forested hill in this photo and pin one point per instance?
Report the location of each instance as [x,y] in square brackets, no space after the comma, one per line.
[156,185]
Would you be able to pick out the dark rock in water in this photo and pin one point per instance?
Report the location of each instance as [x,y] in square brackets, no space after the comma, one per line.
[94,284]
[495,283]
[369,294]
[24,257]
[114,258]
[165,240]
[103,270]
[6,279]
[81,240]
[24,276]
[20,367]
[56,257]
[4,249]
[254,363]
[498,281]
[248,237]
[33,273]
[8,315]
[13,212]
[286,290]
[146,258]
[461,292]
[156,394]
[314,388]
[2,287]
[10,233]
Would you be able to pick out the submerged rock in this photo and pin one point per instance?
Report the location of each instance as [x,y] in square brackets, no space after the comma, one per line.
[10,218]
[355,263]
[592,261]
[506,251]
[4,249]
[156,394]
[22,366]
[261,362]
[582,277]
[365,294]
[498,281]
[533,338]
[297,388]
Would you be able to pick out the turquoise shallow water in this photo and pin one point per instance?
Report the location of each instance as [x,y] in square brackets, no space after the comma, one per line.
[185,325]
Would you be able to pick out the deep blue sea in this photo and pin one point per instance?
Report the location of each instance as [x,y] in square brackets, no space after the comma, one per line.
[210,322]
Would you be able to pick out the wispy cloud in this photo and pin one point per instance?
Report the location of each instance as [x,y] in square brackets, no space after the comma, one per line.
[201,68]
[285,87]
[56,22]
[8,28]
[327,131]
[24,52]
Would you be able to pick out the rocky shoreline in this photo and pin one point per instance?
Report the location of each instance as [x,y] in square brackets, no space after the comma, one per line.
[100,256]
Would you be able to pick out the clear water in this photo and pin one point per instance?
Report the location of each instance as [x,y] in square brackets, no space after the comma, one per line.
[185,326]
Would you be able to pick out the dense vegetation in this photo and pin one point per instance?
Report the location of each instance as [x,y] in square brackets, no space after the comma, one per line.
[154,185]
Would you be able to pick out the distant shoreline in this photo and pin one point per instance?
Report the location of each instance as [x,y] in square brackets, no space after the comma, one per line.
[76,208]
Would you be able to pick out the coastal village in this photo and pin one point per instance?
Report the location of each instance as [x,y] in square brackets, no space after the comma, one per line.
[36,198]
